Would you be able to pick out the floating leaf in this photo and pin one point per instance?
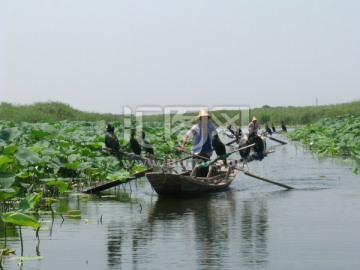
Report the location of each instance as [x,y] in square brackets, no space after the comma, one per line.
[26,258]
[74,212]
[7,251]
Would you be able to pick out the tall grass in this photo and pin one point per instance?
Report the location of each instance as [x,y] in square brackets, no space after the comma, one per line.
[57,111]
[304,115]
[49,112]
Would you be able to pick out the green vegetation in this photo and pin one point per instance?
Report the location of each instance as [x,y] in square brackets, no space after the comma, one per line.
[49,112]
[338,136]
[56,111]
[47,149]
[55,154]
[42,160]
[296,116]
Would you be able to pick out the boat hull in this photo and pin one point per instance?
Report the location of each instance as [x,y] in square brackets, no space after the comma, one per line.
[171,184]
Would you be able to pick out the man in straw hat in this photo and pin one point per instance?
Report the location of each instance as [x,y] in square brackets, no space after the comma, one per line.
[202,135]
[253,126]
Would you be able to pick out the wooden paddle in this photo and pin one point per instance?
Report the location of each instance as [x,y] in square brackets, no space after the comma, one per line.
[195,155]
[264,179]
[223,157]
[231,142]
[276,140]
[179,160]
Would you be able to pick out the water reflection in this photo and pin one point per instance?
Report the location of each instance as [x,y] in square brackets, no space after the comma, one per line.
[115,237]
[218,228]
[254,229]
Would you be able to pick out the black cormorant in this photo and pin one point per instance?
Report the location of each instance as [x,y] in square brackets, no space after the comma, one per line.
[218,146]
[283,126]
[273,128]
[268,130]
[229,128]
[111,141]
[146,145]
[134,144]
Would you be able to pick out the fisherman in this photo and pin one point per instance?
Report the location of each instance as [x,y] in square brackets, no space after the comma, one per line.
[253,127]
[202,137]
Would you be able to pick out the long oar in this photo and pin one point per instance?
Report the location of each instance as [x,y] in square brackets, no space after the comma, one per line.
[179,160]
[264,179]
[223,157]
[276,140]
[231,142]
[195,155]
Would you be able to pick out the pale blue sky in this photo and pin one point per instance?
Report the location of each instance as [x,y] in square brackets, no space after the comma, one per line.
[103,55]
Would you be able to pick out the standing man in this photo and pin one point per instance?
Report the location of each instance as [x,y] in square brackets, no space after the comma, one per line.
[202,135]
[253,127]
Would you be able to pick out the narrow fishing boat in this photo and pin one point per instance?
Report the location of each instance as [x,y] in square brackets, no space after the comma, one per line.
[187,183]
[218,176]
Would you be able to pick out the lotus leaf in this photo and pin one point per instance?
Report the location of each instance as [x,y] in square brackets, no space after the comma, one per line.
[20,219]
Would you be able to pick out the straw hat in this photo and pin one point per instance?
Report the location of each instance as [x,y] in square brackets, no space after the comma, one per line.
[254,118]
[203,112]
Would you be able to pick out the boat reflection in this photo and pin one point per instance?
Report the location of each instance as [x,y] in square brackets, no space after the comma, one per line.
[211,229]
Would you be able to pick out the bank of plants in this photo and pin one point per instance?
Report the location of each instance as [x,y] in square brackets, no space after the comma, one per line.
[41,161]
[62,154]
[336,137]
[290,115]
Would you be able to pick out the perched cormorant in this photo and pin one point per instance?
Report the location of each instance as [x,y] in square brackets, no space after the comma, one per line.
[218,146]
[283,126]
[146,145]
[229,128]
[268,130]
[238,133]
[111,141]
[134,144]
[273,128]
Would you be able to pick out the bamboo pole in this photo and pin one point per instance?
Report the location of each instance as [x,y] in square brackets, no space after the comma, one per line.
[264,179]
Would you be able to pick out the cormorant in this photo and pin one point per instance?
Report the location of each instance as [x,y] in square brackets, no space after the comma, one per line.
[283,126]
[146,145]
[111,141]
[238,133]
[229,128]
[268,130]
[273,128]
[218,146]
[134,144]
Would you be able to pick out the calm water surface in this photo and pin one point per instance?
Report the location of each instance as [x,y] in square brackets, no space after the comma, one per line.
[253,225]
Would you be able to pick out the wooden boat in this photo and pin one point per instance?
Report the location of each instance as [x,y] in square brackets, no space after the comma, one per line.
[186,184]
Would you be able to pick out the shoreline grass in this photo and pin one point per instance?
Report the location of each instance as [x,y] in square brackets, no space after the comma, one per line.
[292,116]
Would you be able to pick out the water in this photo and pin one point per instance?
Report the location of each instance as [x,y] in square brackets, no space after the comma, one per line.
[253,225]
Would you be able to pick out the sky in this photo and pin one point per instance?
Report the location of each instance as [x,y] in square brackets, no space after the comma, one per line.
[104,56]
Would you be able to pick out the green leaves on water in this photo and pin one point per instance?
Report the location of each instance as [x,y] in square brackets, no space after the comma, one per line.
[73,214]
[118,175]
[338,136]
[72,149]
